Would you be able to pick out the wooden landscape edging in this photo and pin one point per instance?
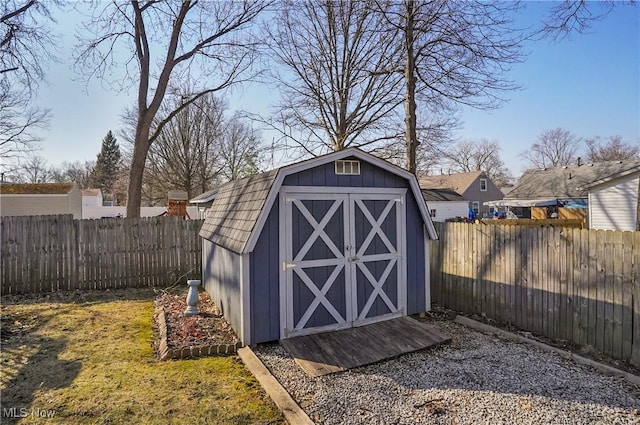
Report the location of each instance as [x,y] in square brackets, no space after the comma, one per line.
[289,408]
[609,370]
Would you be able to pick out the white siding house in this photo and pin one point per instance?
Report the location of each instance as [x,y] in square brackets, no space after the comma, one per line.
[613,203]
[91,197]
[40,199]
[444,204]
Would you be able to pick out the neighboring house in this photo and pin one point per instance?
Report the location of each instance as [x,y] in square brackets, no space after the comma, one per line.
[444,204]
[613,200]
[570,191]
[40,199]
[336,241]
[91,197]
[476,187]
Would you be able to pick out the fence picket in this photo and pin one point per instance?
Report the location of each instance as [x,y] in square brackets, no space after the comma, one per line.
[48,253]
[576,284]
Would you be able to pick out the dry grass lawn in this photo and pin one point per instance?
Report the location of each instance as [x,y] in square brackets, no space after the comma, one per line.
[88,358]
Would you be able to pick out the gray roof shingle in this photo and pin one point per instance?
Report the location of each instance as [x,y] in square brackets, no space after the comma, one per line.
[441,195]
[235,210]
[568,182]
[205,197]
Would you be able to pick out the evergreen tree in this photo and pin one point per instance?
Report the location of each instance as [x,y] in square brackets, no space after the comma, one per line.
[108,164]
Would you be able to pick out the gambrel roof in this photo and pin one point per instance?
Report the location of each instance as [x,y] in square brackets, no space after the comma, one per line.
[240,207]
[235,210]
[571,181]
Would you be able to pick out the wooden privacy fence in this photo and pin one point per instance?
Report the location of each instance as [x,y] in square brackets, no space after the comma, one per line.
[49,253]
[573,284]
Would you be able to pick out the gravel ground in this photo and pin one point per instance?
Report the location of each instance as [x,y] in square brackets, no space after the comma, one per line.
[476,379]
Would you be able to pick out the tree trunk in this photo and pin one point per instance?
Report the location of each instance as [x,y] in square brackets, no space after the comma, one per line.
[411,137]
[138,160]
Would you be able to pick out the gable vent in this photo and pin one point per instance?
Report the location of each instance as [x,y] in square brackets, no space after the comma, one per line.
[347,167]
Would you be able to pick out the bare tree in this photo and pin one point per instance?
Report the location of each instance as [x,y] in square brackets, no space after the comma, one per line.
[611,149]
[184,154]
[334,93]
[166,42]
[567,17]
[455,53]
[74,172]
[26,45]
[435,134]
[480,155]
[239,150]
[35,170]
[18,126]
[198,149]
[557,147]
[25,40]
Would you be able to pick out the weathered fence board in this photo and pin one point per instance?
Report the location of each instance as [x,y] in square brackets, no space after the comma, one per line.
[49,253]
[573,284]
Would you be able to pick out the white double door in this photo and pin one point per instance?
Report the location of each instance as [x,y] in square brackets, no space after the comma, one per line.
[343,261]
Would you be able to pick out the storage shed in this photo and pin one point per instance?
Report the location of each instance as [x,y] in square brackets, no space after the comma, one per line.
[336,241]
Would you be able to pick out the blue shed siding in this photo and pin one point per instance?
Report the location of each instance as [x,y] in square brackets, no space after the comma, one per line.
[222,268]
[264,281]
[264,260]
[324,175]
[221,279]
[416,278]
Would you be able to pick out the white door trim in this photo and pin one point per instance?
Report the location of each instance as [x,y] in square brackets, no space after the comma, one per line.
[346,257]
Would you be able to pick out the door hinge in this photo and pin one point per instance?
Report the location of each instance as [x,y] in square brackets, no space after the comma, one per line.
[400,200]
[286,266]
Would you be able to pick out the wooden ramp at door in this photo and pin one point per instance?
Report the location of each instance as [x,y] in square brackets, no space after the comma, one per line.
[329,352]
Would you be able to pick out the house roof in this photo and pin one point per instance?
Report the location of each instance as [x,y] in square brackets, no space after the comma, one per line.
[571,181]
[91,192]
[240,207]
[458,182]
[205,197]
[36,188]
[434,195]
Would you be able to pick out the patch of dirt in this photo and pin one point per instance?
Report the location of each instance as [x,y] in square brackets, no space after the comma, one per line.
[206,329]
[439,313]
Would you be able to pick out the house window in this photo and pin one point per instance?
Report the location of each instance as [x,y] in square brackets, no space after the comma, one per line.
[475,205]
[483,185]
[347,167]
[432,213]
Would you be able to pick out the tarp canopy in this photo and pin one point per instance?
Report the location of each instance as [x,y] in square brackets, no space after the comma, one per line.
[522,203]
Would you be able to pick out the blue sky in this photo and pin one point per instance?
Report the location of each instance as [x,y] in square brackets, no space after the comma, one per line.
[588,84]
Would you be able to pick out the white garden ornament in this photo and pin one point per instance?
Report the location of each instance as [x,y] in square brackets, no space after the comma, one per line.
[192,298]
